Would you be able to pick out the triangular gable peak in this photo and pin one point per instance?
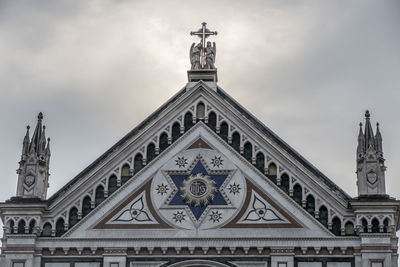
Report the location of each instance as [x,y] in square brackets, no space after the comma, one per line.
[205,191]
[245,134]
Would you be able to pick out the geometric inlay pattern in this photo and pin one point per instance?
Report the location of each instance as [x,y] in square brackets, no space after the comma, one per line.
[198,189]
[260,211]
[199,194]
[136,212]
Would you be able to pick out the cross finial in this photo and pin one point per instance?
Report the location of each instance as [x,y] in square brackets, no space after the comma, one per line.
[203,33]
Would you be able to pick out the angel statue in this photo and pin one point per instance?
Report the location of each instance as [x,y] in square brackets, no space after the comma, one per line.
[195,54]
[211,52]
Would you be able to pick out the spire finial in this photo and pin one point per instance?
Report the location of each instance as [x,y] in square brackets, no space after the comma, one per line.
[27,131]
[40,116]
[367,115]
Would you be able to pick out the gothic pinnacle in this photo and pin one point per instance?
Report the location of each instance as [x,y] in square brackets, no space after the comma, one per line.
[369,133]
[25,146]
[27,132]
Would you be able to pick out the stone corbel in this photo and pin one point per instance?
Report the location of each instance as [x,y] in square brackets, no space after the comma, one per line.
[191,250]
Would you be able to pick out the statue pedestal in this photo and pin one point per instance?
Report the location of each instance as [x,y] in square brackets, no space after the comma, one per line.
[206,75]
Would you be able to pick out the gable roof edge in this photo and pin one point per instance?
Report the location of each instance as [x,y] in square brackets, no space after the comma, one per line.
[131,133]
[282,144]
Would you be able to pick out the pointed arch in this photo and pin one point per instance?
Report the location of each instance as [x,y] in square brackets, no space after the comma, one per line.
[248,151]
[375,225]
[21,226]
[285,183]
[176,131]
[223,131]
[99,195]
[137,163]
[272,172]
[386,225]
[125,173]
[212,121]
[260,162]
[323,216]
[349,229]
[188,121]
[60,227]
[151,152]
[236,141]
[163,141]
[46,230]
[73,217]
[336,226]
[32,225]
[11,225]
[200,110]
[298,194]
[112,184]
[86,206]
[364,224]
[310,205]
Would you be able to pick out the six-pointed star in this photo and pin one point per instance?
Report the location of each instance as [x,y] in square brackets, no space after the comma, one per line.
[197,211]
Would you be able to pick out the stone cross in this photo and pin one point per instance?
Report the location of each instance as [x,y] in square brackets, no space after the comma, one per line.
[203,33]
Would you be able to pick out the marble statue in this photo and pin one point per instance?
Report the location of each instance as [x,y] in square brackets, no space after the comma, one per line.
[195,56]
[210,55]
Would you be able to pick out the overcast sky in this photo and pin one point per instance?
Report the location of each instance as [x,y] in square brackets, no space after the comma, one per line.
[307,69]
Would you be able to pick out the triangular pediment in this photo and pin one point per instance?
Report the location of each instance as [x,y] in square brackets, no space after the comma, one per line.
[219,130]
[199,186]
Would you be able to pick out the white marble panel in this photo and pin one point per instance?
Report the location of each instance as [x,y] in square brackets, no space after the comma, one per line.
[147,264]
[338,264]
[87,264]
[249,263]
[57,264]
[309,264]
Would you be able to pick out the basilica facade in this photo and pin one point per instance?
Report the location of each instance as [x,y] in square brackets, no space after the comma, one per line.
[200,182]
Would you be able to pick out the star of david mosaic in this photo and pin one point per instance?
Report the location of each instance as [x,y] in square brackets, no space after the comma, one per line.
[198,189]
